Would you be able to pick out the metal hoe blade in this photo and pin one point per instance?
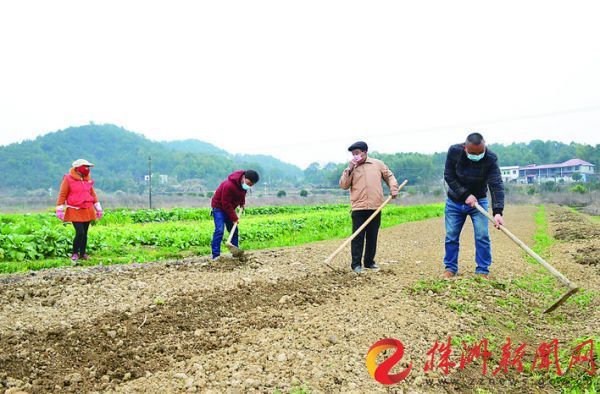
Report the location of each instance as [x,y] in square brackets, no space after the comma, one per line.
[562,299]
[573,288]
[235,251]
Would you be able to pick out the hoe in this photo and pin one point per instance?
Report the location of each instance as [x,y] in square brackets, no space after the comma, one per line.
[572,286]
[235,251]
[361,228]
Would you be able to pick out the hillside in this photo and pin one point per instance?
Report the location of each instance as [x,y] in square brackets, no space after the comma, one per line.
[193,165]
[194,146]
[121,159]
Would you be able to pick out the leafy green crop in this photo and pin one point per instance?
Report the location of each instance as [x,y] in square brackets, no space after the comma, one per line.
[34,241]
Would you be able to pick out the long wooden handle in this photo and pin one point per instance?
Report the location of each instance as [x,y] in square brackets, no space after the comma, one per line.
[361,228]
[530,252]
[233,229]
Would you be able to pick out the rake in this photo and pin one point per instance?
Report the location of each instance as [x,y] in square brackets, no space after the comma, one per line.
[573,288]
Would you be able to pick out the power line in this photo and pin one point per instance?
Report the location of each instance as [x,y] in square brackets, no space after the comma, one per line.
[451,126]
[500,120]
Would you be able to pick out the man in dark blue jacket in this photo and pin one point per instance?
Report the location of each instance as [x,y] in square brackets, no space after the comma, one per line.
[470,170]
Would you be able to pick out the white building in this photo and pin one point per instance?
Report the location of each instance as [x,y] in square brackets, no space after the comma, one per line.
[554,172]
[509,173]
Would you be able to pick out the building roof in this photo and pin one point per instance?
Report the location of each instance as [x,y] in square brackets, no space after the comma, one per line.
[568,163]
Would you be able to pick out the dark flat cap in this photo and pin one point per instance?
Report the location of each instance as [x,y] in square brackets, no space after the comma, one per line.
[359,145]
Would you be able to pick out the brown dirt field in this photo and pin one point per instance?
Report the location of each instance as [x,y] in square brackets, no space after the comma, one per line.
[281,319]
[582,233]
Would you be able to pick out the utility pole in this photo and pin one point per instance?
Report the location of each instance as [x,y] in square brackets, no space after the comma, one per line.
[150,181]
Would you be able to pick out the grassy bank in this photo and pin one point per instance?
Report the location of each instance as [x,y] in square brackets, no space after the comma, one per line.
[498,309]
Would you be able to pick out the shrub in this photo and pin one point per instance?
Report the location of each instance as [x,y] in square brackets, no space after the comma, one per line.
[579,189]
[549,186]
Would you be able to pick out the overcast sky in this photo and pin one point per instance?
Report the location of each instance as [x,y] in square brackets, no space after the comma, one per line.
[302,80]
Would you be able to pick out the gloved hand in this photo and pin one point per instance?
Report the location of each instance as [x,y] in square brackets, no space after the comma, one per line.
[99,212]
[60,213]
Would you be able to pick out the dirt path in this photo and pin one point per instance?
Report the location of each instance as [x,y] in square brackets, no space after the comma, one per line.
[278,321]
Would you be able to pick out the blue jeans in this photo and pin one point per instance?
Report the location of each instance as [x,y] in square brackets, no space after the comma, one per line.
[456,214]
[221,221]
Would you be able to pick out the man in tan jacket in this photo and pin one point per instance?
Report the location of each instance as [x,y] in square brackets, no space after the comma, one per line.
[363,177]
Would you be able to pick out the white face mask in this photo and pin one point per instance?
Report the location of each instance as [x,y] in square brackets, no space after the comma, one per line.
[358,157]
[476,157]
[245,186]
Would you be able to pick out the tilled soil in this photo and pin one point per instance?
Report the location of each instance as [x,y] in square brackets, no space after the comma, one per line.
[583,234]
[570,226]
[278,320]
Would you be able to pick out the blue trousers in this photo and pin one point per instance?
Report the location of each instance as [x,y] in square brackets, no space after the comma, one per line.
[455,215]
[221,221]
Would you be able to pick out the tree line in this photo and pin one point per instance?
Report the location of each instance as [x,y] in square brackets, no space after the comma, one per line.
[428,168]
[193,165]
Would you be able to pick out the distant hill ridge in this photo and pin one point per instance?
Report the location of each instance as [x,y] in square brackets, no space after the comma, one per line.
[121,159]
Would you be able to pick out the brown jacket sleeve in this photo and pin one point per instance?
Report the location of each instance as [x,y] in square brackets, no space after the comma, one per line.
[389,178]
[63,193]
[346,179]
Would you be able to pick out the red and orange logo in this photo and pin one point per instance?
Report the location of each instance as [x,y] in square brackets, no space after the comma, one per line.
[381,372]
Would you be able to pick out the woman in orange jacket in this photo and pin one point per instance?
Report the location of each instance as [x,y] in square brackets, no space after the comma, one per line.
[78,196]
